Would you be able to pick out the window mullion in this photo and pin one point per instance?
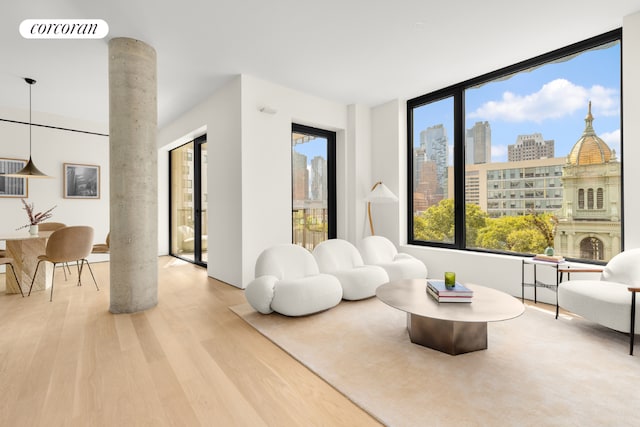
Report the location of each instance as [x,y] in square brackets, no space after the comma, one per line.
[459,168]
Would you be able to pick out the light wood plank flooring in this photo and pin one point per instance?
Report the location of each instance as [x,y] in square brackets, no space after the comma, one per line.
[189,361]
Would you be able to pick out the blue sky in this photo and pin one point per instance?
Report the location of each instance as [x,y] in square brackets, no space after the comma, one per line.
[315,147]
[551,100]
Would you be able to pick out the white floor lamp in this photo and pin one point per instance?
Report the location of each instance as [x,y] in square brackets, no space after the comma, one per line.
[379,194]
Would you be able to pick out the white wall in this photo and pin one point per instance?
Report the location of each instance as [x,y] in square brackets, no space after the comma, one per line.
[631,128]
[355,159]
[51,148]
[389,166]
[250,168]
[219,118]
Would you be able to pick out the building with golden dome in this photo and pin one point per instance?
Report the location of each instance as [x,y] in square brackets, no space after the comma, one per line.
[589,224]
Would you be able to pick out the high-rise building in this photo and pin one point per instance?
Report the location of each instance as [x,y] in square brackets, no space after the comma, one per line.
[425,188]
[434,147]
[300,177]
[478,144]
[319,178]
[530,147]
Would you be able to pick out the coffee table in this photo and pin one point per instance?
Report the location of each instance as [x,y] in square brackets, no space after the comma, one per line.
[454,327]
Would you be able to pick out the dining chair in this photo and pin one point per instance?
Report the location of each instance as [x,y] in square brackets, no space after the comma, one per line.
[53,226]
[4,260]
[50,226]
[68,244]
[102,248]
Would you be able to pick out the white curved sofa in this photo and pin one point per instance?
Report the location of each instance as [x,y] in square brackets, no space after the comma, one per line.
[606,301]
[289,282]
[341,259]
[380,251]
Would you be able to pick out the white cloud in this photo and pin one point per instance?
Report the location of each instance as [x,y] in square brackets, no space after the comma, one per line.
[554,100]
[612,139]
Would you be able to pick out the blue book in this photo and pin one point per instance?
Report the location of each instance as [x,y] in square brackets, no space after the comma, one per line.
[440,289]
[447,298]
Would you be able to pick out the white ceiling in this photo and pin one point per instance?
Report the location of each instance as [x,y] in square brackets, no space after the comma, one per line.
[350,51]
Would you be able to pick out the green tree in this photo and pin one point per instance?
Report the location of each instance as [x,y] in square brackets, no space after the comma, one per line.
[437,222]
[476,220]
[530,233]
[495,235]
[525,234]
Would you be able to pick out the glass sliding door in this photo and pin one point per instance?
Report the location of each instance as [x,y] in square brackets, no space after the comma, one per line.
[188,215]
[201,210]
[313,185]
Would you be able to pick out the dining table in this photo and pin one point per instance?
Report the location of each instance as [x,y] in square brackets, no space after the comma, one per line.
[25,248]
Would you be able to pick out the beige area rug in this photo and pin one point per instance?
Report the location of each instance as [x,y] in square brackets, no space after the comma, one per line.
[537,371]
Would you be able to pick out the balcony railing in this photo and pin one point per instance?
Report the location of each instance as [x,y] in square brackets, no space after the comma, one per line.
[310,227]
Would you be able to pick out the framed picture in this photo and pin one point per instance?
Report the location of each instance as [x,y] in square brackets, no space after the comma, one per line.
[81,181]
[11,186]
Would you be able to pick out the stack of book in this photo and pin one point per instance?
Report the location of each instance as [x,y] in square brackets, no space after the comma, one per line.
[457,293]
[549,258]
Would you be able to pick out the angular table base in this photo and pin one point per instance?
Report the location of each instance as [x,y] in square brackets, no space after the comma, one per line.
[25,259]
[447,336]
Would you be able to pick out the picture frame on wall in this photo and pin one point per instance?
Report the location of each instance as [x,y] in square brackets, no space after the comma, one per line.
[81,181]
[12,186]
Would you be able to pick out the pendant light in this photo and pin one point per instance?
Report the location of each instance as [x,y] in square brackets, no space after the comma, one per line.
[30,170]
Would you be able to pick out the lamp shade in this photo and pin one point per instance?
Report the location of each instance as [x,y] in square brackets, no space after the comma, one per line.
[380,193]
[28,171]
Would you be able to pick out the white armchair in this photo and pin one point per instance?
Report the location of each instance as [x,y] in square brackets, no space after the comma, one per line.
[378,250]
[341,259]
[607,301]
[288,282]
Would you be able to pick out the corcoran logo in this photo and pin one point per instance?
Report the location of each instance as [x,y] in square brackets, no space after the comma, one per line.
[64,29]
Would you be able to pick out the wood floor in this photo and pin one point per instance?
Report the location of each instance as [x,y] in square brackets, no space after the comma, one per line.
[189,361]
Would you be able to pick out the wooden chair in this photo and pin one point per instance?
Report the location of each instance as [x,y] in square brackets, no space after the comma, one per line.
[68,244]
[4,260]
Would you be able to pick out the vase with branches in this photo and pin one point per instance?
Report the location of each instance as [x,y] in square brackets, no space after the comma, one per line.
[34,218]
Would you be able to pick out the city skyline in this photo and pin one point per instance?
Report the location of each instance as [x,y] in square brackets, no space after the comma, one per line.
[551,100]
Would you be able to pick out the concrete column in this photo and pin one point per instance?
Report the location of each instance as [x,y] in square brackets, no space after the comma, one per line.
[133,163]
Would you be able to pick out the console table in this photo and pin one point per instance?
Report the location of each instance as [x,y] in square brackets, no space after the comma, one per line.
[535,283]
[559,267]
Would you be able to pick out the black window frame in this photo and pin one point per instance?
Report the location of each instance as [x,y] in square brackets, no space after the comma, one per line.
[197,200]
[330,136]
[457,92]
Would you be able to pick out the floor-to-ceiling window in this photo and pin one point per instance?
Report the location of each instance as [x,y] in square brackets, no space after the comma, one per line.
[523,158]
[313,185]
[188,172]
